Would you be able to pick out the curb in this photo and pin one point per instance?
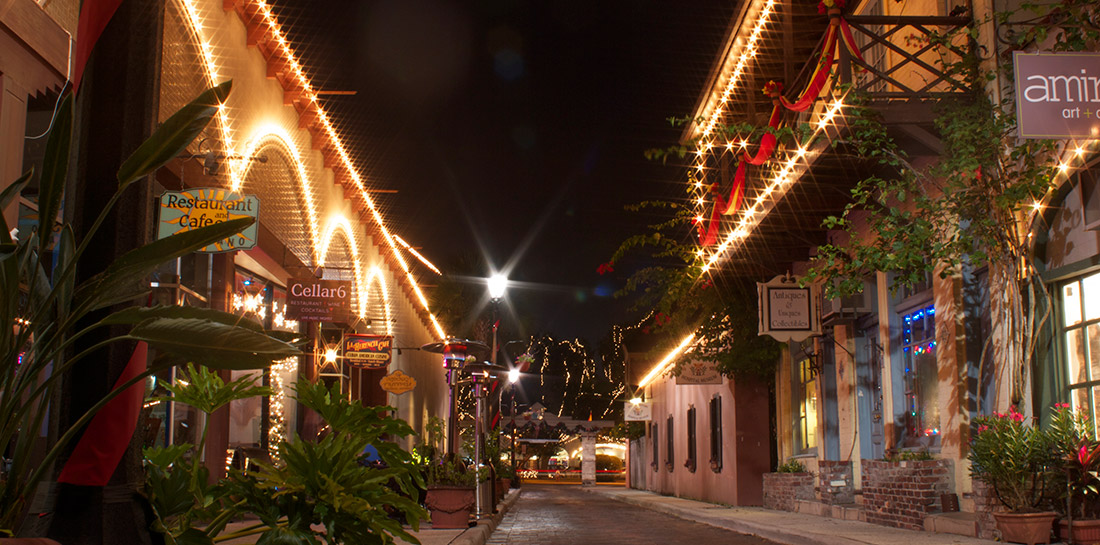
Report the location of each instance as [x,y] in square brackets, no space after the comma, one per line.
[478,535]
[825,531]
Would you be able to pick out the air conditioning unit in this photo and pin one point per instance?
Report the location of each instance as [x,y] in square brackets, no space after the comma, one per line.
[851,307]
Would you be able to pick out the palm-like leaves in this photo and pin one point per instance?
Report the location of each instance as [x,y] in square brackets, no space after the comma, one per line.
[43,310]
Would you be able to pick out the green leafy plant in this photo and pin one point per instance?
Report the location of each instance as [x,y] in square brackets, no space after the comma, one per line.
[1015,459]
[450,472]
[791,466]
[176,482]
[46,309]
[909,456]
[1079,456]
[323,481]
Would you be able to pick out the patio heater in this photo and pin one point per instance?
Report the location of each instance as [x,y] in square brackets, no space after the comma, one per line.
[455,353]
[481,375]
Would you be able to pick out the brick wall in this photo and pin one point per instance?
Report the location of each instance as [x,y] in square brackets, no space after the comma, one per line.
[835,482]
[985,504]
[782,490]
[900,494]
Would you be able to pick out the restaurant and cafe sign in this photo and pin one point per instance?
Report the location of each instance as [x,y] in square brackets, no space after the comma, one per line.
[312,300]
[1057,94]
[182,211]
[788,312]
[368,351]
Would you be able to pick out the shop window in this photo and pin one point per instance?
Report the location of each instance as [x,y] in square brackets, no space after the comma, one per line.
[919,376]
[689,463]
[669,445]
[1080,333]
[805,397]
[715,409]
[656,446]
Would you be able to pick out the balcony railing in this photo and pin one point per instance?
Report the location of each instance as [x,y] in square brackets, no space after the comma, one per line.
[904,57]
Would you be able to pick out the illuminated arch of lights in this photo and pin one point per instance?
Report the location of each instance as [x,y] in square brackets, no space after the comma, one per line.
[258,12]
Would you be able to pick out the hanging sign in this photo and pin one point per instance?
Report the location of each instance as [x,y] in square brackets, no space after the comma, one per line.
[368,351]
[397,382]
[637,412]
[182,211]
[310,300]
[1057,94]
[788,312]
[699,372]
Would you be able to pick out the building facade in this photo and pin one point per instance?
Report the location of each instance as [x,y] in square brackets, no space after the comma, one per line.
[887,389]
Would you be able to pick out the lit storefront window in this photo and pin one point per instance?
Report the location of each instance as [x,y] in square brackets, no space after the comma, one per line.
[922,411]
[1081,334]
[806,426]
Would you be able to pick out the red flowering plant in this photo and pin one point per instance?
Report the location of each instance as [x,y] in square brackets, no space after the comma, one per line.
[1015,459]
[1074,442]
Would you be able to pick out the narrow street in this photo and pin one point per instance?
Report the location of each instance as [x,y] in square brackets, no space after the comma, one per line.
[568,515]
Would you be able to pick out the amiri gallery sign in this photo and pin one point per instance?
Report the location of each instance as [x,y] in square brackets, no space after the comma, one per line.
[310,300]
[1057,94]
[368,351]
[182,211]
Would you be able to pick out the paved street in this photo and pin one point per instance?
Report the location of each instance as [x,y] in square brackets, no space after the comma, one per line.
[568,515]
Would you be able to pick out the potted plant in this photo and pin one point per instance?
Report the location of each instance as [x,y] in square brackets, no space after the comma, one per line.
[450,496]
[1079,454]
[1018,462]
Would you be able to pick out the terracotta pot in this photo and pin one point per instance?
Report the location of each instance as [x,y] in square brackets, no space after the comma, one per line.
[1029,528]
[450,506]
[1085,531]
[501,489]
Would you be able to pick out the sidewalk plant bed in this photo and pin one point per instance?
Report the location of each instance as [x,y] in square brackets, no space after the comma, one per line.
[1020,463]
[1079,456]
[451,489]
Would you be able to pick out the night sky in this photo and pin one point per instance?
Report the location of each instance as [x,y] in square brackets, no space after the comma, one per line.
[515,129]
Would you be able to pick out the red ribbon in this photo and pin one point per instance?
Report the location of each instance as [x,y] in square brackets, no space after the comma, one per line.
[94,16]
[102,445]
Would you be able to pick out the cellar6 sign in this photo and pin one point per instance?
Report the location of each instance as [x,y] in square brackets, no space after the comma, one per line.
[182,211]
[310,300]
[368,351]
[1057,94]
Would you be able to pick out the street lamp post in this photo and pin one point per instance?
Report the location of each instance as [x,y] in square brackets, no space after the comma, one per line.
[513,378]
[498,284]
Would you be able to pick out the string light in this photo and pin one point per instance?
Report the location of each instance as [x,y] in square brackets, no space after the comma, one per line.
[238,163]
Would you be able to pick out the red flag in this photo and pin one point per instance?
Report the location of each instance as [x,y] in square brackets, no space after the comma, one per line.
[100,449]
[94,16]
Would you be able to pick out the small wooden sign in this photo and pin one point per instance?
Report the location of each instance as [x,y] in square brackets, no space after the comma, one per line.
[397,382]
[637,412]
[368,351]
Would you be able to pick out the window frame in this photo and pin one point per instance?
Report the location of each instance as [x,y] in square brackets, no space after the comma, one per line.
[715,409]
[692,440]
[670,441]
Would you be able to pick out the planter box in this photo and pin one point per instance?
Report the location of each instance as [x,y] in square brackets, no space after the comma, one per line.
[901,494]
[1028,528]
[450,506]
[782,491]
[1085,531]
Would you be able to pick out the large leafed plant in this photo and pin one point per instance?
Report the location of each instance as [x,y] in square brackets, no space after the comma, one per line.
[46,310]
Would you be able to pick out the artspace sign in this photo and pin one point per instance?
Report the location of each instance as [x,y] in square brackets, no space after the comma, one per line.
[310,300]
[1057,95]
